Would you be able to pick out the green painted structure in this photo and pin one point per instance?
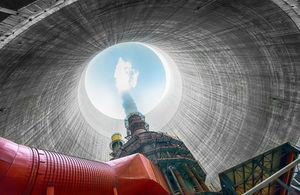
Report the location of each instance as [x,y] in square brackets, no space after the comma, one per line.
[241,178]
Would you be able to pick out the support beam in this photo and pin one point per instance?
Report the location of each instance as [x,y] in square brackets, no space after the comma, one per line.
[273,177]
[227,183]
[8,11]
[192,176]
[181,181]
[287,176]
[295,187]
[244,182]
[268,172]
[175,179]
[164,171]
[201,182]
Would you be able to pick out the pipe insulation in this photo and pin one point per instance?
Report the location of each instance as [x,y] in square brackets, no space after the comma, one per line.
[27,170]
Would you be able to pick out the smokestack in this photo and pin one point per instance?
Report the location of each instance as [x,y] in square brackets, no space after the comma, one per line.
[135,121]
[128,103]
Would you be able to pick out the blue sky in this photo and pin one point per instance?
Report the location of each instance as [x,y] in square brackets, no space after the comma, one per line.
[100,81]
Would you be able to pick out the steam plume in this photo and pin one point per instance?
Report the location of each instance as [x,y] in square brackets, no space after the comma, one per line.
[128,103]
[126,79]
[125,76]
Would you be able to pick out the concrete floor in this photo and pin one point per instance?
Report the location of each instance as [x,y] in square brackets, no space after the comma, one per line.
[238,60]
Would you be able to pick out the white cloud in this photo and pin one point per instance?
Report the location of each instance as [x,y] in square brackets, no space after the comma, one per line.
[125,76]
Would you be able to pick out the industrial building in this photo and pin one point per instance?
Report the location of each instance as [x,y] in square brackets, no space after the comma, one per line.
[229,122]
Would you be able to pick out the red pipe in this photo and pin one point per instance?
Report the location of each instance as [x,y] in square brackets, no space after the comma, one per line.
[26,170]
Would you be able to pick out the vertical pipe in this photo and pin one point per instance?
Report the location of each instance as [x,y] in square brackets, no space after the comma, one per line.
[201,182]
[181,182]
[287,175]
[192,176]
[176,181]
[243,175]
[168,181]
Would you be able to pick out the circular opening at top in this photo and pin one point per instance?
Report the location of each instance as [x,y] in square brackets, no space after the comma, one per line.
[131,68]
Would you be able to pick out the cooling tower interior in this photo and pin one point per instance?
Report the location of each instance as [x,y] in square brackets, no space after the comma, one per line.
[235,66]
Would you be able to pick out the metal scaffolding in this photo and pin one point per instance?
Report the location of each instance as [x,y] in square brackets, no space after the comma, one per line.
[256,176]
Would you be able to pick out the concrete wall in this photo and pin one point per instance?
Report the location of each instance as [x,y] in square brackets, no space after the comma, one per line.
[239,64]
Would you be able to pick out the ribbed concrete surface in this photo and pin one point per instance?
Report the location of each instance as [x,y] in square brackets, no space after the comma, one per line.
[239,63]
